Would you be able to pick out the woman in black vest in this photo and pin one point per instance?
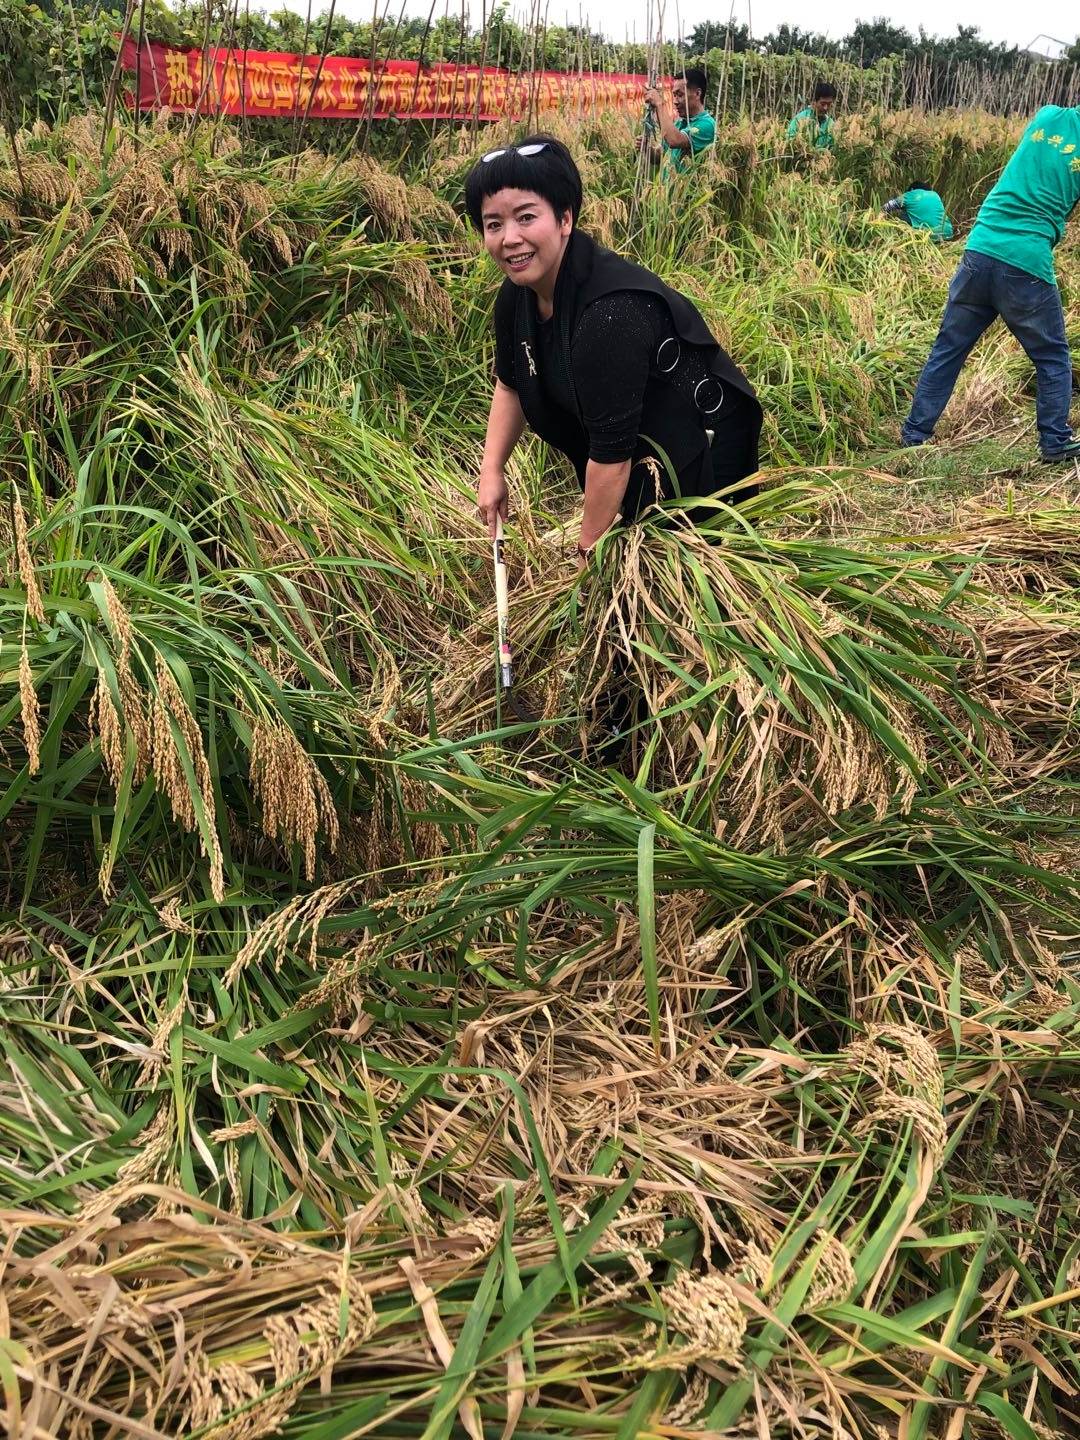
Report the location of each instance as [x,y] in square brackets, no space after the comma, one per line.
[601,358]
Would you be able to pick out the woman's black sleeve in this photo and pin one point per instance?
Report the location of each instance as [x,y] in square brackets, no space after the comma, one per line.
[504,337]
[612,351]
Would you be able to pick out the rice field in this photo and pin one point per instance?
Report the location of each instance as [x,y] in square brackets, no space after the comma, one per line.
[378,1062]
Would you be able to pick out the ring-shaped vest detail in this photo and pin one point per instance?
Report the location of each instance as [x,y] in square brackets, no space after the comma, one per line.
[662,367]
[714,389]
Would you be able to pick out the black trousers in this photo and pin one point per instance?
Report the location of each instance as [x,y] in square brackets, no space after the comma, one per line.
[732,456]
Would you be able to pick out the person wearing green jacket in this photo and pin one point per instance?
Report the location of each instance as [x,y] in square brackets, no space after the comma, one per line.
[922,208]
[815,122]
[1007,270]
[692,129]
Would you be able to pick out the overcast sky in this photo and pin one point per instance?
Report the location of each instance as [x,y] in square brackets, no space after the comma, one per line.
[1012,23]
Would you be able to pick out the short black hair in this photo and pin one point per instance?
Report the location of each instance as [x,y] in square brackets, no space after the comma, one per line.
[551,173]
[824,91]
[696,79]
[919,185]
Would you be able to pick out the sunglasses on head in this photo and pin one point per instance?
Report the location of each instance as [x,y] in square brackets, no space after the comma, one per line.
[527,150]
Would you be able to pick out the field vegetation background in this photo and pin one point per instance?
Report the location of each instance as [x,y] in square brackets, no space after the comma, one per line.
[376,1061]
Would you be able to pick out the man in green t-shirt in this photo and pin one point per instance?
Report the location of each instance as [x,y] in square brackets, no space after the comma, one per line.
[691,129]
[922,208]
[815,122]
[1008,270]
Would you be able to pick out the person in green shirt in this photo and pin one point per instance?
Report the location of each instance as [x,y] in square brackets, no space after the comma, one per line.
[922,208]
[815,122]
[1007,270]
[691,129]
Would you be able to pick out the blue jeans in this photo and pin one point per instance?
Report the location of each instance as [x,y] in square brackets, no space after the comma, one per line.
[982,289]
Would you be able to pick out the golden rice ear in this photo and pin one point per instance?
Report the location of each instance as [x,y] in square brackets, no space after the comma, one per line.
[605,217]
[689,1410]
[289,787]
[105,721]
[301,1343]
[305,913]
[706,1312]
[386,195]
[169,709]
[159,1041]
[27,574]
[155,1143]
[31,711]
[134,707]
[426,301]
[910,1084]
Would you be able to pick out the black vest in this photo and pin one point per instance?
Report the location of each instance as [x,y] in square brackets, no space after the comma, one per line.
[670,422]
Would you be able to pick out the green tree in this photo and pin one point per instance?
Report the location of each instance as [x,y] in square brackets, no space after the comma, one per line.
[790,40]
[968,47]
[55,56]
[25,69]
[718,35]
[873,40]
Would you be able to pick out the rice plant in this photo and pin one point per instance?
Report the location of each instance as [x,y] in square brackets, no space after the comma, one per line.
[379,1061]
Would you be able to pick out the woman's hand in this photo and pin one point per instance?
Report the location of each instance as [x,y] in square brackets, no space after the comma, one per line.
[506,421]
[605,486]
[492,498]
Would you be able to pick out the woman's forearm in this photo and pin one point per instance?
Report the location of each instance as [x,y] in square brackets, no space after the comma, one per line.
[505,426]
[605,486]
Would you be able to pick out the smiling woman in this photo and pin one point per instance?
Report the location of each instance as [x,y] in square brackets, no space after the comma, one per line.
[602,359]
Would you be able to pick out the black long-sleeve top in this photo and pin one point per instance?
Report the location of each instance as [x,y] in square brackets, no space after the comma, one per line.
[617,342]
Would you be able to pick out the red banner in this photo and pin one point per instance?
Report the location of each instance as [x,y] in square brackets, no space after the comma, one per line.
[263,82]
